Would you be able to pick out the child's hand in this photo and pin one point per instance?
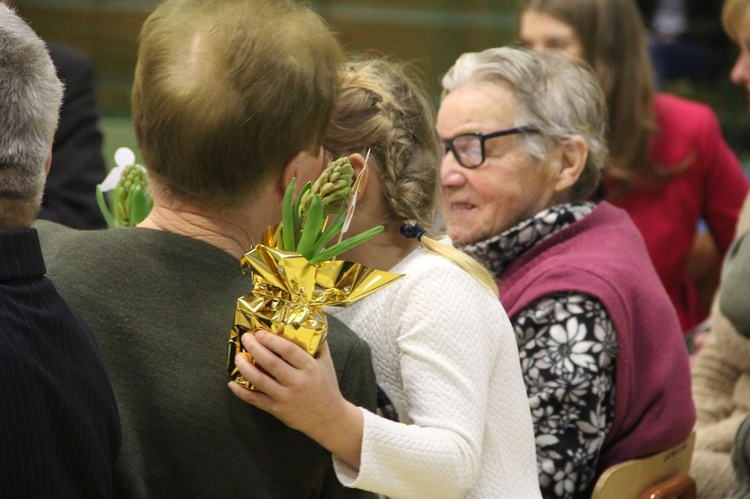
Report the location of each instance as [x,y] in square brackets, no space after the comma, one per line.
[302,391]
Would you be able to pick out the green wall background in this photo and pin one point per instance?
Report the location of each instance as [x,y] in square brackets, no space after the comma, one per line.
[430,34]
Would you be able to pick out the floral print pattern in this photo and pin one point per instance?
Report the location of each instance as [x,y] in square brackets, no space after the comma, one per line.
[568,367]
[499,251]
[568,348]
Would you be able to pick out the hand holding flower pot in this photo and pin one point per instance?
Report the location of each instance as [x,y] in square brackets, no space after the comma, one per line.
[295,276]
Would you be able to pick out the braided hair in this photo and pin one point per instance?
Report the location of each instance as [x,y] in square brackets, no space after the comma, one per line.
[382,108]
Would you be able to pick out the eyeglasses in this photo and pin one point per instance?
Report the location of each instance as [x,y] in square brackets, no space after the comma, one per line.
[468,148]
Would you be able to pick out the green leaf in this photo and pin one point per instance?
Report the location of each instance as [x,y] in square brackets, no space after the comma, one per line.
[287,218]
[302,193]
[139,203]
[120,210]
[311,229]
[300,220]
[104,208]
[346,245]
[331,231]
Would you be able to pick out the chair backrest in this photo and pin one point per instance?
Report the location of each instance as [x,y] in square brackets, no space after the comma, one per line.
[632,479]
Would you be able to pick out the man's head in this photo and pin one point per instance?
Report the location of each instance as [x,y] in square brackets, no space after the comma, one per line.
[30,98]
[228,92]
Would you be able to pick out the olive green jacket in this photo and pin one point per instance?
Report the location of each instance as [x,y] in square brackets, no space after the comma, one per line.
[161,307]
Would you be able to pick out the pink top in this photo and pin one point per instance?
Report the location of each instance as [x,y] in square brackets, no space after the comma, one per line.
[712,187]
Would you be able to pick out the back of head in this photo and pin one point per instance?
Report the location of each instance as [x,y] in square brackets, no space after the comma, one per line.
[227,92]
[554,94]
[382,108]
[732,14]
[613,38]
[30,98]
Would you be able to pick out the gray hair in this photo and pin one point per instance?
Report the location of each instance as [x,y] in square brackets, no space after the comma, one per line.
[559,97]
[30,99]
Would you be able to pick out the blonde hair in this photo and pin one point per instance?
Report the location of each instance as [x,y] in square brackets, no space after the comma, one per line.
[613,38]
[731,16]
[381,107]
[227,92]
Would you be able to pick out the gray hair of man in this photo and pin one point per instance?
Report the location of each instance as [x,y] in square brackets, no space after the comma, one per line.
[30,99]
[555,93]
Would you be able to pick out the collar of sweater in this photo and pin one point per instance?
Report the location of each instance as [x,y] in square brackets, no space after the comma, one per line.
[497,252]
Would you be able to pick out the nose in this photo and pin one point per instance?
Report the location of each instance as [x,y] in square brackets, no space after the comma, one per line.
[740,74]
[451,173]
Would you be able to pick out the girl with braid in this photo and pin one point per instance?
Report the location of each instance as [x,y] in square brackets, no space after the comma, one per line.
[444,351]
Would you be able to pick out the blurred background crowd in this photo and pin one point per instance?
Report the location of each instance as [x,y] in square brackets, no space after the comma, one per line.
[430,33]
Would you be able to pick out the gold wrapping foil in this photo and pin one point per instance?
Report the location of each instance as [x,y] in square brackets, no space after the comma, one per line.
[289,295]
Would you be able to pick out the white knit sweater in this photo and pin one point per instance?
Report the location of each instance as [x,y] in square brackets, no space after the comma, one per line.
[445,353]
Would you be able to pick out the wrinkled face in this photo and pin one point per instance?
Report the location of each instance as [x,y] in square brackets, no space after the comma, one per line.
[539,31]
[507,188]
[740,74]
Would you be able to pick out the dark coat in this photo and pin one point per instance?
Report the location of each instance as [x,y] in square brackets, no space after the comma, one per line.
[77,161]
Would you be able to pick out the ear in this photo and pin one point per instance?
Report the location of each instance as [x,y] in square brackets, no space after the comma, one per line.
[48,163]
[292,169]
[358,164]
[572,161]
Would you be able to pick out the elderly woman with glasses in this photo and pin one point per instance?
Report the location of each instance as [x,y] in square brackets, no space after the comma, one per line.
[602,352]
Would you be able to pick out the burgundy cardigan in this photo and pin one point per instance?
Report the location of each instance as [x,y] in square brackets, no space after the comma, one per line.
[603,255]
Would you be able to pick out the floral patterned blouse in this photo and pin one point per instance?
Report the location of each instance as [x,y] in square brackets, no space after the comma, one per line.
[568,348]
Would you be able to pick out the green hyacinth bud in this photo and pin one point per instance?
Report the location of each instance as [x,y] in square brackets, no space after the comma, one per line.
[333,186]
[132,204]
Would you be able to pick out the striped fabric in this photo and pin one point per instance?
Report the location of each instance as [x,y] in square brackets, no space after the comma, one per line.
[59,428]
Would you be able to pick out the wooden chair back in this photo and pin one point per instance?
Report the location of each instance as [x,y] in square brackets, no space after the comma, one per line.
[662,475]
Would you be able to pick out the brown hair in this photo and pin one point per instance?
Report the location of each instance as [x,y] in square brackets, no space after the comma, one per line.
[383,108]
[227,92]
[614,42]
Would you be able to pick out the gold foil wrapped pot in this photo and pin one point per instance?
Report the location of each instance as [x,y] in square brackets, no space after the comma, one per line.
[294,271]
[289,295]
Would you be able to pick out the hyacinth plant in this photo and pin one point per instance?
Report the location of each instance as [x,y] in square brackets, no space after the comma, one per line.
[131,201]
[304,229]
[295,277]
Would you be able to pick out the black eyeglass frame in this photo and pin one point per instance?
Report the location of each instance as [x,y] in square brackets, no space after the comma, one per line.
[484,136]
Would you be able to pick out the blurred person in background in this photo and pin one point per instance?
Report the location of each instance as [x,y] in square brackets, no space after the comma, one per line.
[668,165]
[721,370]
[685,40]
